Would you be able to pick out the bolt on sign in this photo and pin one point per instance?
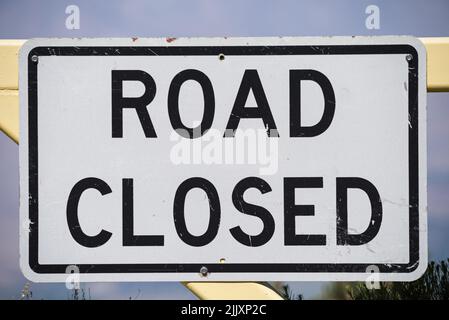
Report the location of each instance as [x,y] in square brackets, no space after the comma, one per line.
[223,159]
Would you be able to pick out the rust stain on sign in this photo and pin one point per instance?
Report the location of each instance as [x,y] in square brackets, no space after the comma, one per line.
[169,40]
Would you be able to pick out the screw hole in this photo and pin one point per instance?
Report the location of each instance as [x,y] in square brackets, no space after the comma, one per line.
[221,56]
[204,271]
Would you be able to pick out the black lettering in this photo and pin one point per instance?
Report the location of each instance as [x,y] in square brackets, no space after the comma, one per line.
[292,210]
[129,239]
[251,81]
[179,216]
[72,213]
[173,103]
[343,238]
[296,129]
[250,209]
[139,104]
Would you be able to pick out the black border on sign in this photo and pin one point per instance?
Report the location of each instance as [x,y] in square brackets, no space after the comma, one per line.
[234,51]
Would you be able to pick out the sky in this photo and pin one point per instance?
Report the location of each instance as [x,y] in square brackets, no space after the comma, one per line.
[29,19]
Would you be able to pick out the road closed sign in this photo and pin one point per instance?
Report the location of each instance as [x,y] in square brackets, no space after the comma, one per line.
[223,159]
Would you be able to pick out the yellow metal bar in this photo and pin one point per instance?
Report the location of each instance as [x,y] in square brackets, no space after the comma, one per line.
[9,85]
[9,113]
[9,63]
[232,291]
[437,63]
[437,80]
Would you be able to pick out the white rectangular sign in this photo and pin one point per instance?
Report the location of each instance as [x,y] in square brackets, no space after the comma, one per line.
[223,159]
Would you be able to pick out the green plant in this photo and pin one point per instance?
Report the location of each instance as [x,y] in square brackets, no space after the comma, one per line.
[433,285]
[288,294]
